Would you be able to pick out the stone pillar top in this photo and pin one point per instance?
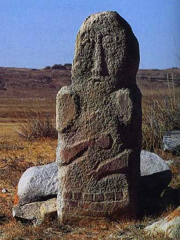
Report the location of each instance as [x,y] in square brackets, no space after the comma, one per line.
[105,48]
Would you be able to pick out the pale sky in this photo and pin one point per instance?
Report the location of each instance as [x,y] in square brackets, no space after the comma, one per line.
[38,33]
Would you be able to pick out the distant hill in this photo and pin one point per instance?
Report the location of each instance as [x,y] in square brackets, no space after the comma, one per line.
[166,76]
[28,83]
[45,83]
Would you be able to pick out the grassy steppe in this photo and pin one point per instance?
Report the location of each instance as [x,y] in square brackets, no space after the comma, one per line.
[18,104]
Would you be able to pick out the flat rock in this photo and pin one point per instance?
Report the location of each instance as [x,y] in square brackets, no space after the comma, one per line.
[171,141]
[168,226]
[151,163]
[155,178]
[30,211]
[48,208]
[37,183]
[155,173]
[36,212]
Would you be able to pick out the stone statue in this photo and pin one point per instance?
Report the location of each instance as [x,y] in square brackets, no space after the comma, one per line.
[99,123]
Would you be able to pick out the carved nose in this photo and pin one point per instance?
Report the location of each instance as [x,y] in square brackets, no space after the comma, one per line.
[100,65]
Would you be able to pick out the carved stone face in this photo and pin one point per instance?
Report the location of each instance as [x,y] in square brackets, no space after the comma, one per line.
[105,48]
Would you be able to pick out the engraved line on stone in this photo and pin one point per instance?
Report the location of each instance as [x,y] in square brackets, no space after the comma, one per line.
[69,154]
[115,165]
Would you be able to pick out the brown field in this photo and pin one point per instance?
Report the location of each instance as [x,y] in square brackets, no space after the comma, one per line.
[25,93]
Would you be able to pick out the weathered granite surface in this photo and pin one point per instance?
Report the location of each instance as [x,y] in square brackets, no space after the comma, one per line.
[168,226]
[151,163]
[171,141]
[155,178]
[37,183]
[36,212]
[155,174]
[99,123]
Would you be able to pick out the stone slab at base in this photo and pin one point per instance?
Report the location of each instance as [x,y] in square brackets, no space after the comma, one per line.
[36,212]
[168,226]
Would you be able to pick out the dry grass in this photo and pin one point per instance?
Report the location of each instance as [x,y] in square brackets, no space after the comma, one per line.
[161,113]
[15,158]
[37,126]
[16,112]
[16,155]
